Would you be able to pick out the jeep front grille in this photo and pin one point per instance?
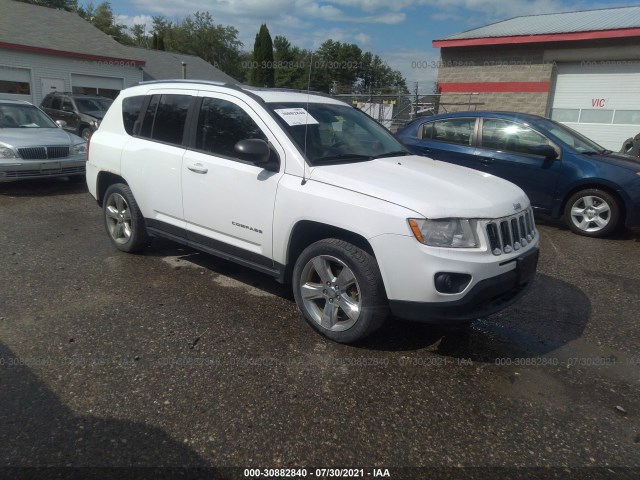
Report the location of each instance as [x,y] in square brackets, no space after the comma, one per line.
[510,234]
[43,153]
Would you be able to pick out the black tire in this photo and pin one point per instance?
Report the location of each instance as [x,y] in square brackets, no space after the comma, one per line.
[367,289]
[631,147]
[593,228]
[85,133]
[137,237]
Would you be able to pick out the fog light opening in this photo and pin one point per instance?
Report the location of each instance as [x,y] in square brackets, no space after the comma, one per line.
[447,282]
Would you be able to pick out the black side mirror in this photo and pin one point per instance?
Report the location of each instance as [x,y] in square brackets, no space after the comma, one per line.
[546,151]
[253,150]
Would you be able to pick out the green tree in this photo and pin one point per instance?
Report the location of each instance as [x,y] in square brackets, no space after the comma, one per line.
[262,74]
[138,33]
[102,17]
[292,64]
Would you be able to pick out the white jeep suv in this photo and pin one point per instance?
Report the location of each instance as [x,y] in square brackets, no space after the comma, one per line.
[316,193]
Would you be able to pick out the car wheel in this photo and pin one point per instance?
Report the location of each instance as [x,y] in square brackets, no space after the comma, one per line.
[592,212]
[123,220]
[86,133]
[339,290]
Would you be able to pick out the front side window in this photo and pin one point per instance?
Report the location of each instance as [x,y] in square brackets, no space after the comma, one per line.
[56,103]
[67,106]
[458,131]
[222,124]
[508,136]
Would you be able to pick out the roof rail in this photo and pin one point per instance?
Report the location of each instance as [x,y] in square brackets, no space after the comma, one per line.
[183,80]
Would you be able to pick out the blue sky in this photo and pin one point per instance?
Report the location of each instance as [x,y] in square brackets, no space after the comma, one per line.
[400,31]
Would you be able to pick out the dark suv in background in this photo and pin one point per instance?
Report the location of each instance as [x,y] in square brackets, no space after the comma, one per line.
[81,114]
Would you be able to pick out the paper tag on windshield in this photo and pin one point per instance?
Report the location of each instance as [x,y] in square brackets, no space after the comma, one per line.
[296,116]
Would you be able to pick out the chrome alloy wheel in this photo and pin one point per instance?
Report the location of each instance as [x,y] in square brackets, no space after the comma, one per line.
[118,218]
[590,213]
[330,293]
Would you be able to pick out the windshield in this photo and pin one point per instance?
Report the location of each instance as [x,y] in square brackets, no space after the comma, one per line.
[15,115]
[335,133]
[572,138]
[93,104]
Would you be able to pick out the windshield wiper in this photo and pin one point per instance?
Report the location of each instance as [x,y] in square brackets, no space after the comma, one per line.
[342,156]
[397,153]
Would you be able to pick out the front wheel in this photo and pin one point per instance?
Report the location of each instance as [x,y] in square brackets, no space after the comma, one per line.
[123,219]
[592,212]
[86,133]
[339,290]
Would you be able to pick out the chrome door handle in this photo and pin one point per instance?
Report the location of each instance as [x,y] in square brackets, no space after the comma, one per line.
[197,168]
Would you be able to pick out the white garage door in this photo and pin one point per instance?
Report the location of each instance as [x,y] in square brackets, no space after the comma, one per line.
[94,84]
[601,101]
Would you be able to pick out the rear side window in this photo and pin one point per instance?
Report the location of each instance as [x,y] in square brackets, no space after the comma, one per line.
[149,115]
[56,103]
[171,117]
[222,124]
[452,130]
[131,107]
[165,118]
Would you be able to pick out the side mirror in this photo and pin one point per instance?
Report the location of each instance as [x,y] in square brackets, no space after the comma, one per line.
[253,150]
[546,151]
[61,123]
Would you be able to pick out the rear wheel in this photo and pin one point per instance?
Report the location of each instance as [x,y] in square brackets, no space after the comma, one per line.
[339,290]
[123,220]
[592,212]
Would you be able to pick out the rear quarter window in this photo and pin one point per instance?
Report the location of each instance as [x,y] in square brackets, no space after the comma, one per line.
[131,107]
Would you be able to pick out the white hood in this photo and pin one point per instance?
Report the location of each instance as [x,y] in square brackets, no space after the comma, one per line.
[433,189]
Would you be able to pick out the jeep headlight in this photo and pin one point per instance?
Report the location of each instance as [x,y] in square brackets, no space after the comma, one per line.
[79,149]
[6,152]
[448,232]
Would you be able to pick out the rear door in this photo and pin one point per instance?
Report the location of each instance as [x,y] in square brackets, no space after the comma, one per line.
[507,149]
[152,159]
[450,140]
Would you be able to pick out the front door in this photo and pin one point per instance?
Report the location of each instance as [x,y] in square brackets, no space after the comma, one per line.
[508,150]
[228,203]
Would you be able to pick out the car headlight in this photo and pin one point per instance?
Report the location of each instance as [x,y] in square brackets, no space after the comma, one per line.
[448,232]
[6,152]
[79,149]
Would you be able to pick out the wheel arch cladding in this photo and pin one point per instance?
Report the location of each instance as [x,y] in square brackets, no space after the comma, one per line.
[306,232]
[105,180]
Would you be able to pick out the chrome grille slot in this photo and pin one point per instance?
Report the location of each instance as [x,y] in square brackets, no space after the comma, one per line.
[43,153]
[33,153]
[510,234]
[57,152]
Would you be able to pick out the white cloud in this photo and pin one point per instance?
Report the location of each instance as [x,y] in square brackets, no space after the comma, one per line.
[416,66]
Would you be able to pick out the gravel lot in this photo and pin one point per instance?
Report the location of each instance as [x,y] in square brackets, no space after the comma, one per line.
[174,358]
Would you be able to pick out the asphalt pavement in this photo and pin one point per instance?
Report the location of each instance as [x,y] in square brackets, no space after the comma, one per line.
[174,358]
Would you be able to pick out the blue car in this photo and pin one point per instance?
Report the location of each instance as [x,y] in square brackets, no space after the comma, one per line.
[565,174]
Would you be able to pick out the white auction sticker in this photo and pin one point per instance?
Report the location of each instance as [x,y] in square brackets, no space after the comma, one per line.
[296,116]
